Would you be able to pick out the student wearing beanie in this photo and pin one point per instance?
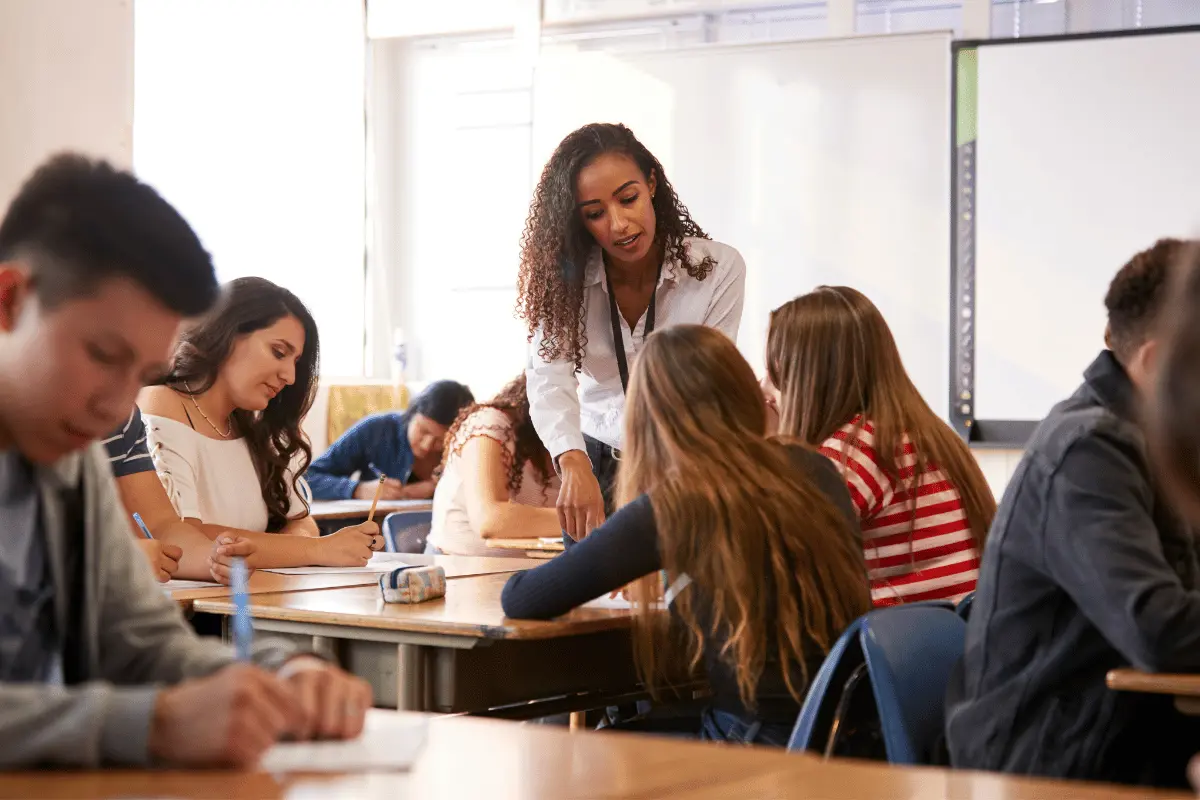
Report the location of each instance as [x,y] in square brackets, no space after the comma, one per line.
[405,446]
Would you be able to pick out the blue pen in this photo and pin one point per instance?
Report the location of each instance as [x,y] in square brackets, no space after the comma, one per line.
[138,519]
[243,628]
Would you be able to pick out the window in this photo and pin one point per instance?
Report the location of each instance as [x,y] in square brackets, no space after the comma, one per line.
[249,117]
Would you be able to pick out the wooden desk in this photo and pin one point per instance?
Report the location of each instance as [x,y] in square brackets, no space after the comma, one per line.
[459,653]
[354,509]
[271,582]
[527,544]
[1185,688]
[465,757]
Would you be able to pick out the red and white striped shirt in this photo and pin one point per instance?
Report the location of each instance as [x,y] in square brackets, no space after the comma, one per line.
[929,557]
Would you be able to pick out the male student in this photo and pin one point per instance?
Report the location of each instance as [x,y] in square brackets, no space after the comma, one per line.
[96,663]
[177,549]
[1086,569]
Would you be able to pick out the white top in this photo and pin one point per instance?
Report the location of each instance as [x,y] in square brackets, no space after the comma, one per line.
[451,530]
[212,480]
[565,405]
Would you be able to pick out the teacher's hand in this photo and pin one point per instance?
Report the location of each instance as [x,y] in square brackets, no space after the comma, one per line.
[580,504]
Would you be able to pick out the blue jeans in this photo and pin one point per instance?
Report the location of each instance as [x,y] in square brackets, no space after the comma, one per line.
[722,726]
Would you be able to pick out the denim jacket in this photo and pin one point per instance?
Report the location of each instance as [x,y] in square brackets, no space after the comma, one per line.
[1086,569]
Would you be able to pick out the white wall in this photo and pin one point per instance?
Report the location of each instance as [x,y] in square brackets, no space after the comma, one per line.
[66,82]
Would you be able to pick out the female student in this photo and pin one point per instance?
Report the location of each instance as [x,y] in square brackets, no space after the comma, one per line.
[765,534]
[406,447]
[608,255]
[497,479]
[923,502]
[224,429]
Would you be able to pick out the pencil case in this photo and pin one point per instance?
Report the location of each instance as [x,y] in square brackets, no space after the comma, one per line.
[413,584]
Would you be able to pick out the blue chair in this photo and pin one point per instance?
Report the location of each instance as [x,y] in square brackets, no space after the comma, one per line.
[405,531]
[816,727]
[910,652]
[964,606]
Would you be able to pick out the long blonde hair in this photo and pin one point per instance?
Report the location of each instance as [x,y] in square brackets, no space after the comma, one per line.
[768,551]
[832,357]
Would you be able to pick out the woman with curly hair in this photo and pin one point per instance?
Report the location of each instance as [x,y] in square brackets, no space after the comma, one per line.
[609,254]
[497,479]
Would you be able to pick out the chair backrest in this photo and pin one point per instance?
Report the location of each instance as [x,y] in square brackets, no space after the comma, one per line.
[964,606]
[910,652]
[825,689]
[405,531]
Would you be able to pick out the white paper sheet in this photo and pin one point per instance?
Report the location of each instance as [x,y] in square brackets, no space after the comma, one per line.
[389,741]
[176,585]
[618,603]
[380,562]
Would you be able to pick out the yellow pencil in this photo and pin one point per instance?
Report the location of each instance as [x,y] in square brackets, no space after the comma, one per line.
[375,502]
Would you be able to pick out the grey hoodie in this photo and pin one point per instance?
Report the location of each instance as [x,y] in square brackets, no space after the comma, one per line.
[123,637]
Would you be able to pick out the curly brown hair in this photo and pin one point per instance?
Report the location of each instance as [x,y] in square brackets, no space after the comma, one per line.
[513,401]
[555,246]
[1137,294]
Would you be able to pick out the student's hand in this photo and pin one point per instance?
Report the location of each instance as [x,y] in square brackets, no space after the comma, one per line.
[351,547]
[771,399]
[226,548]
[227,719]
[333,704]
[422,490]
[580,503]
[392,490]
[163,558]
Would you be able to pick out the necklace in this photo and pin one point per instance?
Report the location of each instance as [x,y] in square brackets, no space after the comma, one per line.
[228,429]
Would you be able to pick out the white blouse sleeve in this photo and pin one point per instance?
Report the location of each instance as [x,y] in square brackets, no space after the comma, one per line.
[725,310]
[175,459]
[553,389]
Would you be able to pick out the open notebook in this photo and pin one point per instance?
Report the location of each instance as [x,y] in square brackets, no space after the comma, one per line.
[389,741]
[380,562]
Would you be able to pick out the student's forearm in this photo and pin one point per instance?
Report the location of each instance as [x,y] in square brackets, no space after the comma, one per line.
[306,526]
[196,546]
[515,521]
[274,550]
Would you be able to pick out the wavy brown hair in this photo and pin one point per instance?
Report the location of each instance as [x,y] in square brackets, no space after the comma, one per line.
[277,443]
[772,556]
[513,401]
[555,246]
[832,357]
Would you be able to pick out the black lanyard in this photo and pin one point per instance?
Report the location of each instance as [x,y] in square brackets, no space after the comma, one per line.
[615,316]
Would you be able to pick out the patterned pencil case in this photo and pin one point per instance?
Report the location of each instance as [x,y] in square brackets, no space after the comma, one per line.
[413,584]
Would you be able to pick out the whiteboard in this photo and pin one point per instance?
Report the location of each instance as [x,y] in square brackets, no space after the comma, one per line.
[1086,155]
[822,162]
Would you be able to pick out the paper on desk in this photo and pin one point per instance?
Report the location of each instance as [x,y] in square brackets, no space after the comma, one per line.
[380,562]
[389,741]
[175,585]
[618,603]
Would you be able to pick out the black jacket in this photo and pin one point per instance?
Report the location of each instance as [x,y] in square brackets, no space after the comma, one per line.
[1086,569]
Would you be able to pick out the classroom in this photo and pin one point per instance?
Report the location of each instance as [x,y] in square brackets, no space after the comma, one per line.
[600,399]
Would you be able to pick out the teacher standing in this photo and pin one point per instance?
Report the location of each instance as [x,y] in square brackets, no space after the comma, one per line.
[609,255]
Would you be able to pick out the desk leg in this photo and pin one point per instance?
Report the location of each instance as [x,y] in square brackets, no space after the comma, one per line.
[411,677]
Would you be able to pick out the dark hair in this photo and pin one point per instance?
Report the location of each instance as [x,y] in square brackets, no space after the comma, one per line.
[513,401]
[78,221]
[556,245]
[441,401]
[1172,434]
[1137,294]
[273,435]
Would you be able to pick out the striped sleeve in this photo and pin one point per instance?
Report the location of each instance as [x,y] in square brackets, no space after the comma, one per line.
[853,451]
[128,453]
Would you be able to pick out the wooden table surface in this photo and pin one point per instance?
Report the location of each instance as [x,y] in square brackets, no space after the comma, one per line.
[262,582]
[351,509]
[470,608]
[475,758]
[1132,680]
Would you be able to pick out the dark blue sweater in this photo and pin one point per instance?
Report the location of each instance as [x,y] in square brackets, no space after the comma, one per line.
[377,445]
